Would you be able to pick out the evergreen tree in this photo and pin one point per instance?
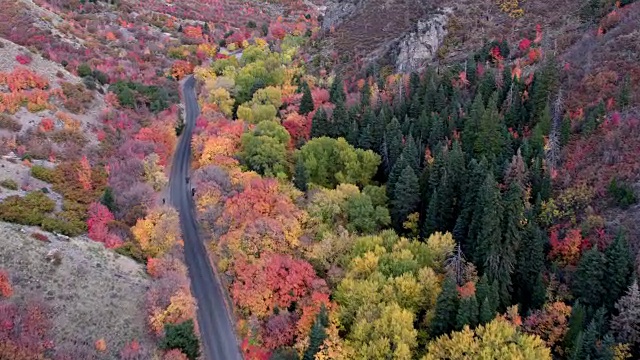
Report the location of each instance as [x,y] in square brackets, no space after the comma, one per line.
[379,128]
[440,100]
[394,176]
[300,176]
[486,300]
[393,139]
[317,335]
[624,97]
[306,103]
[182,337]
[617,270]
[423,126]
[506,85]
[529,285]
[365,140]
[365,96]
[431,215]
[565,131]
[406,196]
[353,134]
[576,324]
[108,199]
[319,124]
[490,141]
[340,123]
[336,92]
[544,87]
[437,132]
[488,213]
[429,98]
[411,155]
[588,283]
[487,85]
[444,318]
[467,225]
[472,124]
[467,312]
[445,203]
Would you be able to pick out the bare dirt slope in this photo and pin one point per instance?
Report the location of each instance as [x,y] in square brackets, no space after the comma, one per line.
[94,293]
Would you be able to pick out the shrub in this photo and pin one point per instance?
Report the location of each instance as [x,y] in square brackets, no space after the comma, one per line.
[28,210]
[84,70]
[61,226]
[622,193]
[9,184]
[130,249]
[182,337]
[24,59]
[7,122]
[42,173]
[40,236]
[78,98]
[251,24]
[101,77]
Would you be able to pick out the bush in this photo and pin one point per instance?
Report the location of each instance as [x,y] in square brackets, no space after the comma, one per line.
[182,337]
[78,98]
[251,24]
[42,173]
[7,122]
[9,184]
[101,77]
[622,193]
[28,210]
[129,249]
[24,59]
[84,70]
[40,236]
[64,227]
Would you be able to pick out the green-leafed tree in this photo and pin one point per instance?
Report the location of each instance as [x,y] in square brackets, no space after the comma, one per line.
[406,196]
[467,312]
[588,285]
[617,271]
[306,103]
[182,337]
[446,310]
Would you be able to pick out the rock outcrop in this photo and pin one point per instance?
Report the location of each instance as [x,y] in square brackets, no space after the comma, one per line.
[416,48]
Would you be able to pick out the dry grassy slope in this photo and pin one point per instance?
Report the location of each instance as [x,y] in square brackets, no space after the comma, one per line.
[95,293]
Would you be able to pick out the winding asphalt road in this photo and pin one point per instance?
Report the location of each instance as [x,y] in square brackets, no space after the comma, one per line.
[216,328]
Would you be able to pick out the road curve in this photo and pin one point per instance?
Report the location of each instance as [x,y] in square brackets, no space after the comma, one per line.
[216,328]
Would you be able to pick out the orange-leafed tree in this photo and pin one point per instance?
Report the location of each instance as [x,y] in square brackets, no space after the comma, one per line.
[550,324]
[84,174]
[158,232]
[261,219]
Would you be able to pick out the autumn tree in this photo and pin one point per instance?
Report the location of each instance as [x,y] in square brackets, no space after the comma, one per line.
[5,285]
[550,324]
[498,339]
[158,232]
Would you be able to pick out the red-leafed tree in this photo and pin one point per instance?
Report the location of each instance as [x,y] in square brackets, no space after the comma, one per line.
[567,250]
[279,330]
[273,281]
[98,225]
[5,285]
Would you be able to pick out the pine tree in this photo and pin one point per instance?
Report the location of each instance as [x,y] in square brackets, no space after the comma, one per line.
[472,124]
[486,300]
[411,155]
[507,77]
[340,123]
[617,271]
[488,211]
[487,85]
[467,312]
[565,131]
[108,199]
[444,319]
[589,276]
[182,337]
[317,335]
[490,141]
[529,285]
[576,324]
[319,124]
[365,140]
[336,92]
[406,196]
[353,134]
[437,131]
[544,87]
[306,103]
[393,137]
[467,225]
[431,215]
[394,175]
[300,176]
[365,96]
